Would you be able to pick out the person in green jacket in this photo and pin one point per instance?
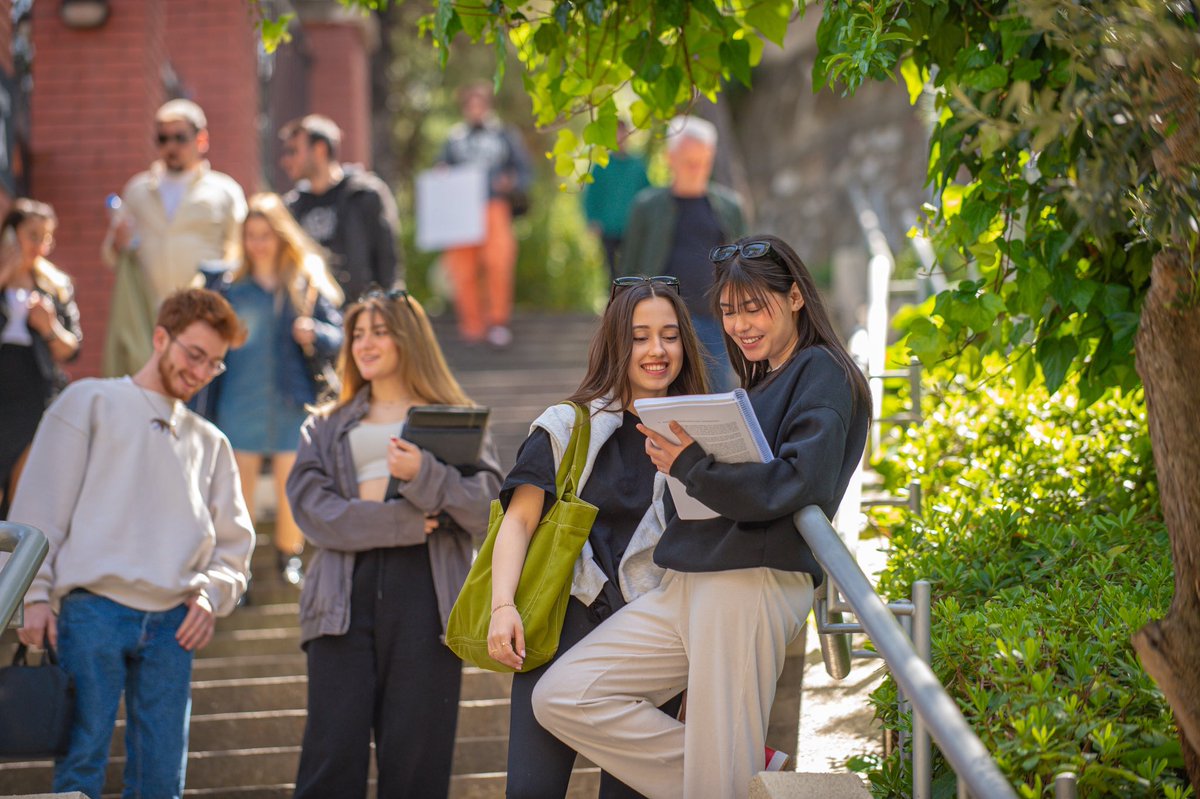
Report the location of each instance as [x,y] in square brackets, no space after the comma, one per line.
[607,199]
[672,229]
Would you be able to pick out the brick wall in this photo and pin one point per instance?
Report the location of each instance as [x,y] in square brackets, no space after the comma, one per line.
[213,47]
[6,63]
[95,93]
[93,119]
[93,105]
[340,83]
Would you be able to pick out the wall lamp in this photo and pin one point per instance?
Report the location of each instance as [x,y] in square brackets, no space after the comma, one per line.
[83,14]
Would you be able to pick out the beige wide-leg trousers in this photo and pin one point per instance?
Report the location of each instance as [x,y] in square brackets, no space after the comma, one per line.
[721,635]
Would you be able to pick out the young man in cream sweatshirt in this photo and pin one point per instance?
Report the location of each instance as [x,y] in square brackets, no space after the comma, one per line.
[150,541]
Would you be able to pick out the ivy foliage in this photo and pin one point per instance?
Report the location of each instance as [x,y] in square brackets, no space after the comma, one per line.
[1048,120]
[1041,535]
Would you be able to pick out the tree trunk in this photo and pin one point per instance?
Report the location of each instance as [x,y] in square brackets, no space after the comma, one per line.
[1168,360]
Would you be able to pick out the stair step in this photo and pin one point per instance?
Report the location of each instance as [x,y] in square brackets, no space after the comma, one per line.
[253,642]
[261,617]
[232,667]
[246,694]
[791,785]
[478,768]
[483,684]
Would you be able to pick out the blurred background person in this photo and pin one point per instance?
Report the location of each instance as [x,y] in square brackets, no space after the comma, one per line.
[482,274]
[346,209]
[39,331]
[608,198]
[285,296]
[171,218]
[180,212]
[672,229]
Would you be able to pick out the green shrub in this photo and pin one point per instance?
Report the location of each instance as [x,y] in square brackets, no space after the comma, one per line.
[1041,534]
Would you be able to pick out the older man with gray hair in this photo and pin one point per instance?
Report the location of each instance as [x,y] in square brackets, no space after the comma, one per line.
[671,230]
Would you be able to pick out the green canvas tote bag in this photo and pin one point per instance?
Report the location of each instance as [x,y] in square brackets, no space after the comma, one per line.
[545,586]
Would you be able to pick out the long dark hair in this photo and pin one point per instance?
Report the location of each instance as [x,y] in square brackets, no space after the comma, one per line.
[612,348]
[774,273]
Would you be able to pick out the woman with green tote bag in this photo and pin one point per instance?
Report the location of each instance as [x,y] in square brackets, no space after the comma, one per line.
[645,347]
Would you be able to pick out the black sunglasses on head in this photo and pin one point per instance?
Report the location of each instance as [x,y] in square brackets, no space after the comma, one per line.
[751,249]
[621,283]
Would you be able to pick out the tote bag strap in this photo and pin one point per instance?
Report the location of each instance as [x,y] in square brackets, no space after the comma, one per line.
[575,457]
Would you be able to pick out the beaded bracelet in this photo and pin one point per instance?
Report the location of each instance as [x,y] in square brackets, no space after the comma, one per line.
[505,605]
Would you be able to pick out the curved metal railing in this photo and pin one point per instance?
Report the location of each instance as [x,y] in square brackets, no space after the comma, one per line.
[28,547]
[935,714]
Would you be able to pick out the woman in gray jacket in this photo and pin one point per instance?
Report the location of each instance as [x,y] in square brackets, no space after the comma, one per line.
[387,565]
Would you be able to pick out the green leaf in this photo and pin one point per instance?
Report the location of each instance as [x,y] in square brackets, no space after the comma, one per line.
[1027,70]
[593,11]
[735,57]
[770,18]
[915,78]
[275,31]
[546,38]
[987,79]
[1024,372]
[1055,357]
[925,340]
[603,130]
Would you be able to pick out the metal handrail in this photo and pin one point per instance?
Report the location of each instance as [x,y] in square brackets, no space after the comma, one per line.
[28,547]
[933,709]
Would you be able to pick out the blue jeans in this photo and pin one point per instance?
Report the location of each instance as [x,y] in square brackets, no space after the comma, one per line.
[711,333]
[108,648]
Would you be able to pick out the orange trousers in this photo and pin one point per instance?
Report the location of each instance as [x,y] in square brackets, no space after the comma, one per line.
[482,275]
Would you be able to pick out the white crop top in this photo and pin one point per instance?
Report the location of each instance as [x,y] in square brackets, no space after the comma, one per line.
[368,447]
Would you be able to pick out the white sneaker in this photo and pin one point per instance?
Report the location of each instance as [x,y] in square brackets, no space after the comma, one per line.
[499,336]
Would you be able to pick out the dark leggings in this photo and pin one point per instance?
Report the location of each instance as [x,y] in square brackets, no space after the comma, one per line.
[389,674]
[539,765]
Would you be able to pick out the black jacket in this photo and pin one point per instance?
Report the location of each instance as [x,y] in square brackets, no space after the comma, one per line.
[363,247]
[53,377]
[817,433]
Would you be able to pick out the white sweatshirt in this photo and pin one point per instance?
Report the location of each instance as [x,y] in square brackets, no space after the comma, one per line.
[132,511]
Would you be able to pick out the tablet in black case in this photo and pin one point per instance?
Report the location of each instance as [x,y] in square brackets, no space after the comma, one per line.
[453,433]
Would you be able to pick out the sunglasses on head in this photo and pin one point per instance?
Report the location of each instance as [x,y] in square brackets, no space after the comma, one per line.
[751,249]
[621,283]
[390,296]
[164,139]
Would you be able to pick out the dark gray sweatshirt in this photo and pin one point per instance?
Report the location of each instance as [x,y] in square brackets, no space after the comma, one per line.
[817,435]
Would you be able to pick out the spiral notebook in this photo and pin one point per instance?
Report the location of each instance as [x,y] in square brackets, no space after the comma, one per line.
[723,424]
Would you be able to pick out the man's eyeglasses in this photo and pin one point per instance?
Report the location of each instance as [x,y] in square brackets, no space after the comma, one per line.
[751,249]
[198,358]
[164,139]
[621,283]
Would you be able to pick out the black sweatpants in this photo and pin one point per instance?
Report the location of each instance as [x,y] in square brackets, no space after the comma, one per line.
[389,674]
[539,765]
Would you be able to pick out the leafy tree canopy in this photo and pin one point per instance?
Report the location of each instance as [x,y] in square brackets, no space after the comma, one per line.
[1048,119]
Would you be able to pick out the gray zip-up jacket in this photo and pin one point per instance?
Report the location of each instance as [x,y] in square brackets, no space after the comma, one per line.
[323,491]
[637,573]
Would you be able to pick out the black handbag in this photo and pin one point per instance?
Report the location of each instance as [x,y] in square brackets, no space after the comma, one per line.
[36,706]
